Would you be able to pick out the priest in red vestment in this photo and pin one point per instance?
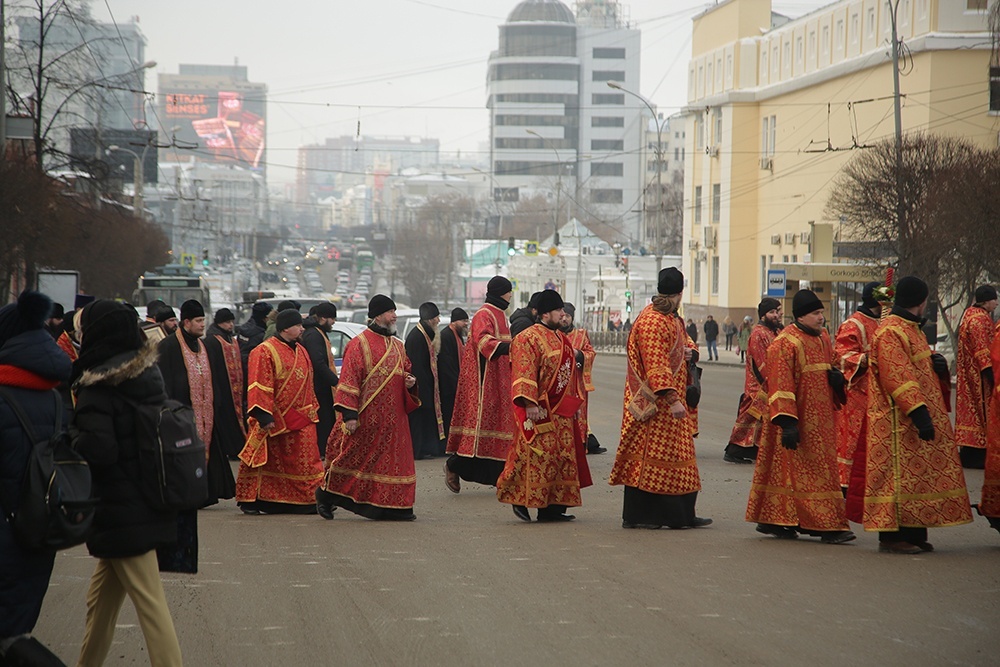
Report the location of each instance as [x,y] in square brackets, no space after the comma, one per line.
[580,341]
[913,476]
[229,431]
[369,457]
[482,426]
[745,438]
[975,380]
[795,486]
[279,465]
[542,467]
[655,460]
[187,378]
[989,503]
[850,352]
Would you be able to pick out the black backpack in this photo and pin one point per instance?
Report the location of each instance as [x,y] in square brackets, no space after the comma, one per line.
[173,468]
[57,505]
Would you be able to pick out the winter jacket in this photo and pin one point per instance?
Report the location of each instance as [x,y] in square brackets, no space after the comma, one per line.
[24,576]
[520,320]
[711,329]
[317,345]
[250,334]
[104,433]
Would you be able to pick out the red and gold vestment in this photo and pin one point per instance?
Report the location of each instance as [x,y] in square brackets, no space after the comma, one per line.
[909,482]
[853,342]
[798,487]
[753,403]
[975,334]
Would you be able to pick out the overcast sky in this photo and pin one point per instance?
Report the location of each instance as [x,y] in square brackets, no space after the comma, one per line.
[403,67]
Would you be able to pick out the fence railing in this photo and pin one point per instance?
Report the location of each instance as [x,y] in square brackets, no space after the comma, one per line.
[609,341]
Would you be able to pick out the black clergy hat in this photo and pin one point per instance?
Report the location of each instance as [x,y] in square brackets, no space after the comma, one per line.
[766,305]
[548,300]
[325,309]
[804,302]
[498,286]
[428,310]
[910,292]
[868,294]
[289,304]
[379,304]
[287,318]
[165,313]
[224,315]
[670,281]
[191,309]
[984,293]
[569,308]
[458,314]
[533,301]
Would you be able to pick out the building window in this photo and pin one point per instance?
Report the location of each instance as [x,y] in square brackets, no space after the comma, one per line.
[607,75]
[607,121]
[798,53]
[535,71]
[840,33]
[697,204]
[763,274]
[607,169]
[995,89]
[524,120]
[699,131]
[718,127]
[715,274]
[976,5]
[697,277]
[812,46]
[826,40]
[786,54]
[871,21]
[729,67]
[922,8]
[606,196]
[677,154]
[769,126]
[709,80]
[854,28]
[763,64]
[774,61]
[683,152]
[609,53]
[607,98]
[607,145]
[716,202]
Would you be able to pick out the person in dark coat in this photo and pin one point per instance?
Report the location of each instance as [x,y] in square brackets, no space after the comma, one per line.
[316,327]
[711,328]
[250,334]
[228,383]
[692,330]
[449,363]
[187,378]
[117,369]
[426,422]
[31,365]
[522,318]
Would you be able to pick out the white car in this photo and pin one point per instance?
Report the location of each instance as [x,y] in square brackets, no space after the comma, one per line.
[341,334]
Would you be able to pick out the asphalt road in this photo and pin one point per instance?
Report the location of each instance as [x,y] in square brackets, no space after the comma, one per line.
[469,584]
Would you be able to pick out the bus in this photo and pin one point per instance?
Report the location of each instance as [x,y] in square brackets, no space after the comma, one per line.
[365,259]
[173,284]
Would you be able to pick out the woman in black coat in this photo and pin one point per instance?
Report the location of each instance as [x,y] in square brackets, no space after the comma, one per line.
[117,368]
[31,366]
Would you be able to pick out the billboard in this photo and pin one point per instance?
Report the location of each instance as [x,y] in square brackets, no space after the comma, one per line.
[227,125]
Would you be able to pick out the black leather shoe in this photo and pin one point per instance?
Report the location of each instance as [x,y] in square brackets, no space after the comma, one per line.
[699,522]
[597,450]
[521,512]
[323,507]
[839,537]
[781,532]
[555,518]
[728,458]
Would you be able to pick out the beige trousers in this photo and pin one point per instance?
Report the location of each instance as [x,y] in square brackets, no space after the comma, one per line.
[139,577]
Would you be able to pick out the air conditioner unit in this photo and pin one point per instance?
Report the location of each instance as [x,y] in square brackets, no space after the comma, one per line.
[713,151]
[775,239]
[709,237]
[789,238]
[692,244]
[805,238]
[767,163]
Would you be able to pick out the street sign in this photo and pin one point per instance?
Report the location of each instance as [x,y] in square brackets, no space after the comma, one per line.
[187,259]
[531,248]
[776,282]
[553,251]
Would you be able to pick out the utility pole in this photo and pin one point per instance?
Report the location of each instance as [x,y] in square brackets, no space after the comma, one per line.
[900,208]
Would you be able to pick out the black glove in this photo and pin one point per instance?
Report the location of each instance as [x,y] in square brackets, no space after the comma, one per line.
[692,396]
[838,383]
[579,358]
[988,377]
[695,356]
[941,365]
[789,431]
[501,350]
[921,418]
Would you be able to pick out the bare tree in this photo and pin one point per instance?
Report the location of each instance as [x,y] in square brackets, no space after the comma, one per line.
[425,249]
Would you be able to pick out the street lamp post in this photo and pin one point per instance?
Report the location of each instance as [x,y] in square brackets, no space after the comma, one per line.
[138,177]
[659,171]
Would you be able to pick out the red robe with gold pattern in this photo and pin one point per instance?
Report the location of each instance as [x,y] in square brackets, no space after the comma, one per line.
[373,465]
[989,504]
[579,339]
[65,344]
[975,334]
[909,482]
[753,402]
[541,467]
[657,455]
[482,424]
[798,487]
[853,341]
[281,464]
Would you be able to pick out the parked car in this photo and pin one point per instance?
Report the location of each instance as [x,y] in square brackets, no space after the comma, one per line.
[341,334]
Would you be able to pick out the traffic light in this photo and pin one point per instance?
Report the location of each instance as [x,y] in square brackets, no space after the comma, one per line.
[204,257]
[628,294]
[511,249]
[628,306]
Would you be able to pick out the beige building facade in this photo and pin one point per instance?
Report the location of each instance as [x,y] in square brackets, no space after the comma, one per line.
[777,107]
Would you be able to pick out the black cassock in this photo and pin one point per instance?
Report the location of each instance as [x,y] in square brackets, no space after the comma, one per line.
[448,366]
[226,431]
[221,483]
[423,420]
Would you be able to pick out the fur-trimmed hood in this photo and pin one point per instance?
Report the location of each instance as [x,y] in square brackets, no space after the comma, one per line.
[120,368]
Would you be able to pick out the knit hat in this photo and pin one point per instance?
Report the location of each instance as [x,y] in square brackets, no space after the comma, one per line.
[910,292]
[379,304]
[164,314]
[261,309]
[569,308]
[533,301]
[58,312]
[28,314]
[285,305]
[548,300]
[984,293]
[459,314]
[224,315]
[153,307]
[191,309]
[498,286]
[868,295]
[287,318]
[429,310]
[804,302]
[766,305]
[325,309]
[670,281]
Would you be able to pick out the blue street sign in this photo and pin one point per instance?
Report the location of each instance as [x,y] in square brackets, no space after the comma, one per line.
[776,283]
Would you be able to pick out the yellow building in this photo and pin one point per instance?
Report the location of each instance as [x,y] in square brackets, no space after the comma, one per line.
[777,107]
